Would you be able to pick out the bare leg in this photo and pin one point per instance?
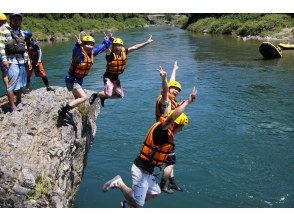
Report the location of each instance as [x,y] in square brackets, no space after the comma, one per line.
[18,96]
[80,97]
[168,171]
[10,96]
[127,193]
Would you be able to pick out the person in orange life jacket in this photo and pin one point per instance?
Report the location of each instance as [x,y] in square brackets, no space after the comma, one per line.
[164,104]
[159,142]
[14,56]
[83,55]
[116,58]
[35,55]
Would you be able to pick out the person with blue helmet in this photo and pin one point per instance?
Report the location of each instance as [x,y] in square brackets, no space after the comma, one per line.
[35,55]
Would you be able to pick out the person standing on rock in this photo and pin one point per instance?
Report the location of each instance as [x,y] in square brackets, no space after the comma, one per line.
[116,58]
[3,31]
[159,142]
[14,56]
[35,55]
[83,54]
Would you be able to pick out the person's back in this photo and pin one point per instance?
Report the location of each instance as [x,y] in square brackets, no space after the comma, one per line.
[33,50]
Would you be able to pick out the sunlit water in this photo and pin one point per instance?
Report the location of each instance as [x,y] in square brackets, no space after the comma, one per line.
[238,148]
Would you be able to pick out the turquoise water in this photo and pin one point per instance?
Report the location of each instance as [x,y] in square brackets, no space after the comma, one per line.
[238,148]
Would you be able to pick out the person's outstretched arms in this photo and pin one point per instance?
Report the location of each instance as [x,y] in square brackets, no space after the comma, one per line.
[180,109]
[173,74]
[106,43]
[138,46]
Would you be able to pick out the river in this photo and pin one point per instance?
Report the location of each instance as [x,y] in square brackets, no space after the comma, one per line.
[237,150]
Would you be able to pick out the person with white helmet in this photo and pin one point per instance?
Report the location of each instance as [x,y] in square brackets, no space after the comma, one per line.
[15,59]
[116,58]
[35,55]
[83,54]
[166,102]
[158,143]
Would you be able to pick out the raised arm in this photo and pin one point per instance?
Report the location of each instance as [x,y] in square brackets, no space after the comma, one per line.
[164,99]
[138,46]
[109,35]
[180,109]
[173,74]
[104,46]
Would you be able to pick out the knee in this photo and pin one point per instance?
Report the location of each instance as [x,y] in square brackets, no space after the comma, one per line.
[84,98]
[108,92]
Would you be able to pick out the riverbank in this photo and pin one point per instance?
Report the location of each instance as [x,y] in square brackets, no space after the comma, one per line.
[49,28]
[263,27]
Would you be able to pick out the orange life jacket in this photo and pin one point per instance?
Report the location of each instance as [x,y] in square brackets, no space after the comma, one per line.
[158,112]
[156,155]
[82,69]
[118,64]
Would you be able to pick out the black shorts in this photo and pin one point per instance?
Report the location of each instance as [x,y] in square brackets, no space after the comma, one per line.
[170,160]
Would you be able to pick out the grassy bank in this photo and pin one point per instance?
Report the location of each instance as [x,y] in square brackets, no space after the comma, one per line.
[64,27]
[242,24]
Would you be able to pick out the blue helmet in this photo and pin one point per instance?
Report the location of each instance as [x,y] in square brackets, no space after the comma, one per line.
[11,15]
[28,34]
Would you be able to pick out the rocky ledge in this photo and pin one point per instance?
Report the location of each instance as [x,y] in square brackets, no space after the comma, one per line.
[42,161]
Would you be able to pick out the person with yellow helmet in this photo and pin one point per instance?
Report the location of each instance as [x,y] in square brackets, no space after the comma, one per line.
[3,28]
[15,59]
[83,54]
[166,102]
[158,143]
[116,58]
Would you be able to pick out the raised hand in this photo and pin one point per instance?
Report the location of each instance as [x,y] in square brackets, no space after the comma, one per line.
[161,71]
[176,65]
[108,34]
[192,95]
[79,40]
[150,40]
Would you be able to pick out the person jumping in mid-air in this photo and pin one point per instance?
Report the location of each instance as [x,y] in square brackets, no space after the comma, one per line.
[83,55]
[116,58]
[159,142]
[164,104]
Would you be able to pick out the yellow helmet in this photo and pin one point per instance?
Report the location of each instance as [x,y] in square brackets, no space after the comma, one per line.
[2,17]
[174,83]
[181,120]
[118,41]
[88,38]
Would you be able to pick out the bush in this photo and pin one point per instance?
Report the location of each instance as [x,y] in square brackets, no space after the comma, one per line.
[243,24]
[71,24]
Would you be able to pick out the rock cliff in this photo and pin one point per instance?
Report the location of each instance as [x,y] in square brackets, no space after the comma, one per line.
[42,162]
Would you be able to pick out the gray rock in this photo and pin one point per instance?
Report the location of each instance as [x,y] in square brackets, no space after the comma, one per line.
[28,179]
[20,190]
[40,155]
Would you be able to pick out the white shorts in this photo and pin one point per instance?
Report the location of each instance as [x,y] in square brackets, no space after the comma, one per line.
[143,184]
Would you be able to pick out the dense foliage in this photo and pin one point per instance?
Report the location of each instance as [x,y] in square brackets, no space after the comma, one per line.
[242,24]
[69,24]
